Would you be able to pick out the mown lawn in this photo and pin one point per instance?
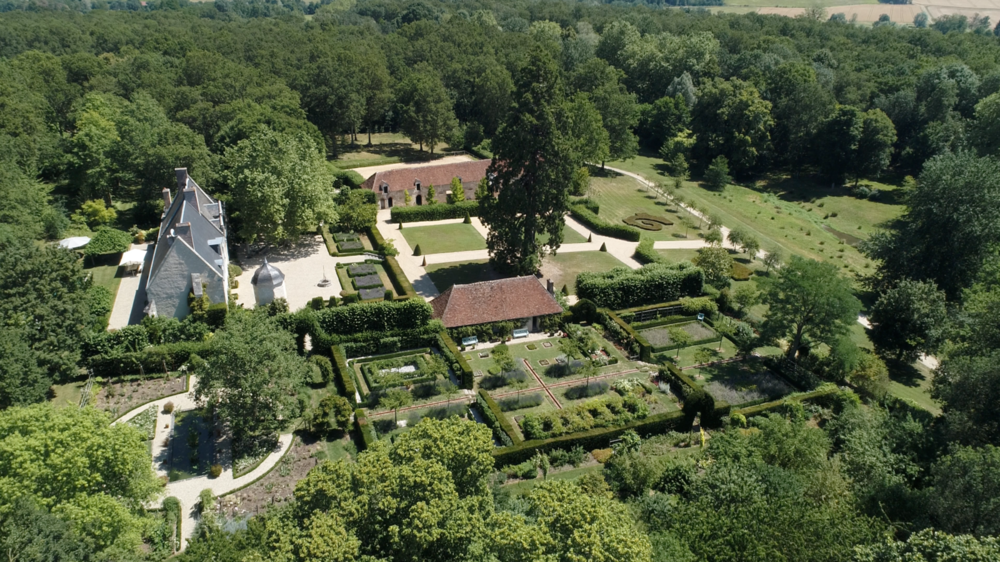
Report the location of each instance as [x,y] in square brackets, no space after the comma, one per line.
[563,268]
[621,196]
[786,215]
[570,236]
[444,238]
[913,382]
[386,148]
[444,275]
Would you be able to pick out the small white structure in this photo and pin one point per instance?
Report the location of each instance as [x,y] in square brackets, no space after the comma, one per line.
[74,242]
[268,284]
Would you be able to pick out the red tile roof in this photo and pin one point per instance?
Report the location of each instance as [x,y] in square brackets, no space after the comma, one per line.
[494,301]
[432,174]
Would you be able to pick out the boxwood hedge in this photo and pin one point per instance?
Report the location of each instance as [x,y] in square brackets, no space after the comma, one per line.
[623,287]
[435,212]
[602,227]
[374,317]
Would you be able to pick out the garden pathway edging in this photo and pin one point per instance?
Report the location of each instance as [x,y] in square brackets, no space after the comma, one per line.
[188,490]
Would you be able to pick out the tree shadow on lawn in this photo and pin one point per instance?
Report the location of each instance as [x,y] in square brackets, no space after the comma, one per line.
[805,189]
[462,274]
[905,374]
[404,151]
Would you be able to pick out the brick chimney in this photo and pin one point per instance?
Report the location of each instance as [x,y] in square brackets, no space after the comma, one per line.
[182,178]
[166,199]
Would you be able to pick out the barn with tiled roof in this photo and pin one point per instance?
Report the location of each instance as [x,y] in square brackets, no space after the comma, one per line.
[390,186]
[519,298]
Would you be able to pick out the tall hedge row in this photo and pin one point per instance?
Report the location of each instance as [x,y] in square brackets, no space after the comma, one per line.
[379,316]
[365,429]
[496,420]
[149,361]
[435,212]
[623,287]
[455,357]
[603,227]
[344,378]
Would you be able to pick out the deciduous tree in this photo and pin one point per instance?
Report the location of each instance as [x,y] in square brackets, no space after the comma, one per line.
[809,301]
[251,375]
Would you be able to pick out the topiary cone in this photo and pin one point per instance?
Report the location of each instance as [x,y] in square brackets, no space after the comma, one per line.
[468,219]
[416,251]
[424,264]
[590,237]
[565,290]
[604,247]
[401,225]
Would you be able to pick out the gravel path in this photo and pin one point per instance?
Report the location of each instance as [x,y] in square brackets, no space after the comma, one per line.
[187,490]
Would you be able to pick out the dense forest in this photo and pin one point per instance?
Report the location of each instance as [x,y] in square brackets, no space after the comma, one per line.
[101,100]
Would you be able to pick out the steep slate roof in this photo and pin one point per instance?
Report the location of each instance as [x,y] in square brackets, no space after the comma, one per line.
[194,218]
[432,174]
[494,301]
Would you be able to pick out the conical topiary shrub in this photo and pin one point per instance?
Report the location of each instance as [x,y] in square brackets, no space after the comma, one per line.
[604,247]
[590,237]
[565,290]
[416,251]
[401,226]
[424,264]
[468,219]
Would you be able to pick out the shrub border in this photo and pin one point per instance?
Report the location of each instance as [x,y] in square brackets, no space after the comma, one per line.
[491,408]
[364,429]
[750,411]
[345,382]
[602,227]
[466,376]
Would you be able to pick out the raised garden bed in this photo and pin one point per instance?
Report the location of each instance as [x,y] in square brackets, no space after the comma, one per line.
[370,294]
[368,281]
[360,269]
[742,382]
[120,397]
[350,246]
[346,236]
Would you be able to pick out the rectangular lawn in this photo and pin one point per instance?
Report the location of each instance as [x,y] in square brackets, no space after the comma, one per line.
[563,268]
[444,238]
[570,236]
[444,275]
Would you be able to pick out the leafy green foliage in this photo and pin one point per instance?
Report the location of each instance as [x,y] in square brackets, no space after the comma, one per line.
[99,480]
[967,387]
[279,186]
[809,301]
[908,319]
[622,287]
[356,212]
[108,241]
[251,375]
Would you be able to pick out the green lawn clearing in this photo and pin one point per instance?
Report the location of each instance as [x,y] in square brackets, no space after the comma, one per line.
[675,256]
[913,383]
[563,268]
[67,395]
[786,214]
[386,148]
[621,196]
[444,275]
[444,238]
[523,487]
[570,236]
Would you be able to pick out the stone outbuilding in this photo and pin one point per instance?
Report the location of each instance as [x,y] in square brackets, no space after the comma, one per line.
[520,299]
[268,284]
[391,186]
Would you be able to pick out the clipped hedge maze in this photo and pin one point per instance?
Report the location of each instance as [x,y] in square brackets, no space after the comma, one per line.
[646,221]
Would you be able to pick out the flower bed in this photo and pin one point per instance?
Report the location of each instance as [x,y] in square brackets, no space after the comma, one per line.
[350,246]
[346,236]
[368,281]
[607,411]
[145,422]
[370,294]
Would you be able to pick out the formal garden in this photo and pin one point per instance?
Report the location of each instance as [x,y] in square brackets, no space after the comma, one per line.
[364,281]
[443,238]
[404,379]
[191,447]
[345,243]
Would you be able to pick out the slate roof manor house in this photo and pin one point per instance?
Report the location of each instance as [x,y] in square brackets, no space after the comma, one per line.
[191,255]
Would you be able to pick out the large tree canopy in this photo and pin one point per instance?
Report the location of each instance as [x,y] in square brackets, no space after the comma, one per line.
[809,303]
[532,170]
[279,185]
